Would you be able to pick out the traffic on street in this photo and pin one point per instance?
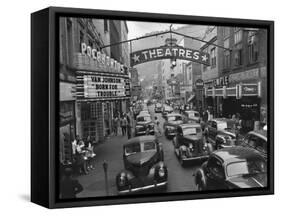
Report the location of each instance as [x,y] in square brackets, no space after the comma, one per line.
[178,109]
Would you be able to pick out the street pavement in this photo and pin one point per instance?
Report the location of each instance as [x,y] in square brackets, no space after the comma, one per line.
[179,178]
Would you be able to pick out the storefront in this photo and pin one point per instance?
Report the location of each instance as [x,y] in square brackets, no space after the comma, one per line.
[242,100]
[67,122]
[101,97]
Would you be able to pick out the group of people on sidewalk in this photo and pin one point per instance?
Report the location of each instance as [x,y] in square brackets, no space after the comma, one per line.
[80,150]
[122,124]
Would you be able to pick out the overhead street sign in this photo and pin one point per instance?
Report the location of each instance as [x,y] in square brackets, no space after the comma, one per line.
[169,52]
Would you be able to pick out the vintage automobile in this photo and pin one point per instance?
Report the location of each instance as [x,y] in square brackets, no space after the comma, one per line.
[257,140]
[144,125]
[158,108]
[189,143]
[230,168]
[192,115]
[144,166]
[171,123]
[166,110]
[221,133]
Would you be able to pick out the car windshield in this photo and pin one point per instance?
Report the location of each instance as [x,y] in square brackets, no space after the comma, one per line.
[193,114]
[222,126]
[140,147]
[143,119]
[191,131]
[174,118]
[246,168]
[148,146]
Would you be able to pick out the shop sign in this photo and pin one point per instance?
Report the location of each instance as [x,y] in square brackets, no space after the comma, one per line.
[221,81]
[249,89]
[102,87]
[199,84]
[169,52]
[102,60]
[245,75]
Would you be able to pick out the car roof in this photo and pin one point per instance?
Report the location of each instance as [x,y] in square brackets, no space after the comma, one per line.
[237,153]
[191,111]
[259,133]
[139,139]
[222,120]
[189,125]
[173,114]
[143,114]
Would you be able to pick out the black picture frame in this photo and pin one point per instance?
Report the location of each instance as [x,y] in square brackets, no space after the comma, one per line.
[44,105]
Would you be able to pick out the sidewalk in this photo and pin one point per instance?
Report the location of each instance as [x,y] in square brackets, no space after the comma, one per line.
[111,152]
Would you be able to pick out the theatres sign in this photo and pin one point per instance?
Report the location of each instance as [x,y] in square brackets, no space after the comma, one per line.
[169,52]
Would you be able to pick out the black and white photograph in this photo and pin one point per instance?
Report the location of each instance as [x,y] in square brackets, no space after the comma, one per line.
[159,108]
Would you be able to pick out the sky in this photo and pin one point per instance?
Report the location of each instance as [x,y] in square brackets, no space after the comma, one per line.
[137,29]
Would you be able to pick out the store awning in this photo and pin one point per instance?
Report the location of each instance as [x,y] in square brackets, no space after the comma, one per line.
[190,98]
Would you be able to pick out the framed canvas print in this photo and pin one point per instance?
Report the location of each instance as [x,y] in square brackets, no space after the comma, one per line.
[138,107]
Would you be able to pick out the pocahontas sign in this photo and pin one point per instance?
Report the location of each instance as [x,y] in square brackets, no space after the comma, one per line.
[169,52]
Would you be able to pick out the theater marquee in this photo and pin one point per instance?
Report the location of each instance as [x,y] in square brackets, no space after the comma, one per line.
[167,52]
[101,87]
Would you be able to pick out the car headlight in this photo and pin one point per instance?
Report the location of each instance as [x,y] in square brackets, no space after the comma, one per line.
[170,128]
[161,172]
[122,179]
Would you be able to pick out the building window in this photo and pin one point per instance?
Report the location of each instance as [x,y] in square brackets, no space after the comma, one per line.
[69,41]
[81,39]
[252,47]
[238,57]
[213,57]
[237,35]
[190,73]
[226,59]
[105,25]
[225,32]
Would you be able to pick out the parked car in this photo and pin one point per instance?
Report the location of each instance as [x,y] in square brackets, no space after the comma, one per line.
[189,143]
[192,115]
[171,123]
[143,159]
[220,132]
[230,168]
[158,108]
[257,140]
[144,125]
[166,110]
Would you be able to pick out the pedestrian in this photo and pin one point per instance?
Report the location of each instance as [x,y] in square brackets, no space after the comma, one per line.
[157,124]
[115,125]
[91,154]
[69,186]
[123,125]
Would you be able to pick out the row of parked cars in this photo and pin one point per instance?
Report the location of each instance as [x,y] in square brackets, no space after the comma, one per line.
[228,161]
